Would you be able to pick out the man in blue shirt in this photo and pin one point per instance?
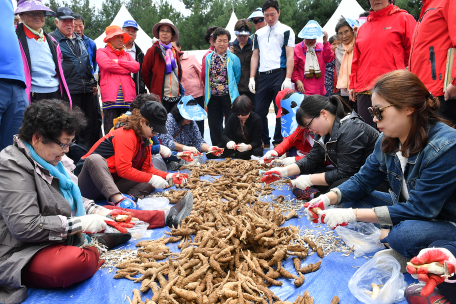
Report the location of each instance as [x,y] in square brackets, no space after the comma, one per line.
[13,98]
[89,43]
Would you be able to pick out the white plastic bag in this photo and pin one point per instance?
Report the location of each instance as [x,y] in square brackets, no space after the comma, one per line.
[365,238]
[259,159]
[138,231]
[153,203]
[383,270]
[158,162]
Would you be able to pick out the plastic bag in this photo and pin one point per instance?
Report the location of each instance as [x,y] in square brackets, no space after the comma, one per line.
[153,203]
[197,160]
[383,270]
[365,238]
[259,159]
[158,162]
[138,231]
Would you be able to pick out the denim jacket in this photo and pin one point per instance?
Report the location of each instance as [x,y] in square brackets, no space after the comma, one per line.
[430,176]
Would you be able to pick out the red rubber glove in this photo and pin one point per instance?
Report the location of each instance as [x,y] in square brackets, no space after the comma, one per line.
[427,256]
[185,155]
[116,225]
[271,176]
[126,225]
[179,178]
[321,202]
[117,212]
[216,151]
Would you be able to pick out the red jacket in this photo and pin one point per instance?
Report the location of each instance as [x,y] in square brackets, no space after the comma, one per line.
[382,45]
[119,147]
[114,74]
[324,54]
[295,140]
[434,34]
[154,69]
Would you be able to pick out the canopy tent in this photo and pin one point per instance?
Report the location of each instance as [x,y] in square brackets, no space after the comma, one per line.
[142,39]
[347,8]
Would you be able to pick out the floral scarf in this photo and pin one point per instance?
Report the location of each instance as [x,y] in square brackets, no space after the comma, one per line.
[167,49]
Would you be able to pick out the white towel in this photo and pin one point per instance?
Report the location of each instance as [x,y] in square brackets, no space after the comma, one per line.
[312,68]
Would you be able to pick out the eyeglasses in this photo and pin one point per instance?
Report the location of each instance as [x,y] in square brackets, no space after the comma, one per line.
[152,129]
[308,125]
[259,20]
[345,33]
[35,14]
[377,112]
[166,31]
[242,114]
[64,146]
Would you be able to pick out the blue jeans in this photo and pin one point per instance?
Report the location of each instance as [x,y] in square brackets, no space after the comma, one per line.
[13,100]
[410,236]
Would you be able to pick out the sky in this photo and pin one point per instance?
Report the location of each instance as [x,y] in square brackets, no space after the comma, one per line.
[178,5]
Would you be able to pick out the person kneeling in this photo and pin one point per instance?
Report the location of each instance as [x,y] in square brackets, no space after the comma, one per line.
[121,161]
[242,134]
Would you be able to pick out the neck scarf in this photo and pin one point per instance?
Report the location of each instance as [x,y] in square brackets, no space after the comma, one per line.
[312,67]
[343,80]
[40,34]
[117,51]
[167,49]
[68,188]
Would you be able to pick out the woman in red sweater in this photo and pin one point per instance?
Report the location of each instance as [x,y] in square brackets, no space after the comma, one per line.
[382,45]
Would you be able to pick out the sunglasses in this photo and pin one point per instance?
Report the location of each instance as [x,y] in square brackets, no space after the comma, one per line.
[310,122]
[259,20]
[64,146]
[377,112]
[242,114]
[152,129]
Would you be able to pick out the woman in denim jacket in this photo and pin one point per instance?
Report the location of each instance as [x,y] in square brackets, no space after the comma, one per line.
[416,153]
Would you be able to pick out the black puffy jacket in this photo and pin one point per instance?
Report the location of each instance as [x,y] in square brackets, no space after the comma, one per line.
[75,63]
[137,78]
[351,142]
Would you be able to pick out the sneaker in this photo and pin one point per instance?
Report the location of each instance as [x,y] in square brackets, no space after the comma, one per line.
[306,195]
[401,259]
[413,296]
[180,211]
[112,240]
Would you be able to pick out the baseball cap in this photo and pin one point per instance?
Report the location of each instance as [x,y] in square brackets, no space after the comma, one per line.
[156,114]
[64,13]
[131,23]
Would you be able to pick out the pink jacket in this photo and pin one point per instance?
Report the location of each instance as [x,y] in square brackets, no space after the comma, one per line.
[114,74]
[191,80]
[324,54]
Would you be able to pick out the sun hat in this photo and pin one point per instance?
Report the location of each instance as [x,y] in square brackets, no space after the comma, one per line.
[33,5]
[278,99]
[190,109]
[156,114]
[351,22]
[114,30]
[64,13]
[312,30]
[242,31]
[258,13]
[131,23]
[289,108]
[168,23]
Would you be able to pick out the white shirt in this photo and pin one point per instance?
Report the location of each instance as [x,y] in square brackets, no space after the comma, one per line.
[271,42]
[403,161]
[132,53]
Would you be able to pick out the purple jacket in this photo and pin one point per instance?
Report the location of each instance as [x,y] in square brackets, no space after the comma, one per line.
[56,53]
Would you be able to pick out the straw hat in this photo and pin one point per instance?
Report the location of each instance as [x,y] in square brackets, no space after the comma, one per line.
[168,23]
[114,30]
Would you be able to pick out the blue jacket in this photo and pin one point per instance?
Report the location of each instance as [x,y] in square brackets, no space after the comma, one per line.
[234,74]
[430,176]
[92,50]
[76,64]
[11,66]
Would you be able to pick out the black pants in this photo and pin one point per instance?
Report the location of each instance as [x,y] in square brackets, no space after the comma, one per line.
[200,123]
[364,101]
[91,133]
[242,155]
[109,115]
[34,97]
[447,109]
[218,107]
[267,88]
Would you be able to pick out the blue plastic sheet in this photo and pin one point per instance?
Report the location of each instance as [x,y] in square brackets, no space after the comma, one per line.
[330,280]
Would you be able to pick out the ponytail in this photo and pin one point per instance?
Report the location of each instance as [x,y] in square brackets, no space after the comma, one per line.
[312,105]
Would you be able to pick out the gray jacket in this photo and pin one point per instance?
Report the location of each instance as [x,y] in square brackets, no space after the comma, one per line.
[30,205]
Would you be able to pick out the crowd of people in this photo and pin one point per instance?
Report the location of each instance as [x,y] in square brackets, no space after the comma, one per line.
[366,117]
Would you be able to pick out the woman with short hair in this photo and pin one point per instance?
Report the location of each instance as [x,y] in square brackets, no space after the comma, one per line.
[242,135]
[415,153]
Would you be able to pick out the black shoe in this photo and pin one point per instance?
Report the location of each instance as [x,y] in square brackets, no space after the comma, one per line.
[112,240]
[180,211]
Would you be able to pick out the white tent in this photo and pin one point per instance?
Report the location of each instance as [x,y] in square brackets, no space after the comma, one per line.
[142,39]
[347,8]
[230,26]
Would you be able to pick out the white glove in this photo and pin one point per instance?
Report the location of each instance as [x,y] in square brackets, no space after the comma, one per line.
[165,151]
[93,223]
[338,217]
[321,202]
[289,161]
[282,170]
[252,84]
[286,84]
[270,154]
[302,182]
[192,149]
[242,147]
[158,182]
[230,145]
